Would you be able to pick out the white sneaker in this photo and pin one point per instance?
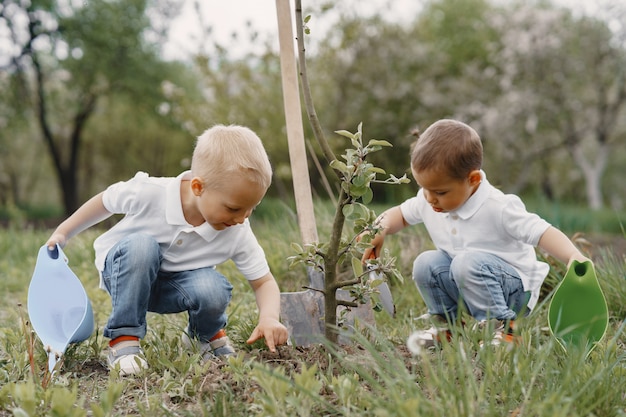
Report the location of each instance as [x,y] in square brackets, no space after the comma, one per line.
[426,339]
[127,357]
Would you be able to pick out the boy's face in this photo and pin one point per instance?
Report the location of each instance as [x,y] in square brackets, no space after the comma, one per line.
[227,205]
[443,193]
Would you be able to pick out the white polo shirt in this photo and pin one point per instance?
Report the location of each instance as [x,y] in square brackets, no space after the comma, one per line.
[489,221]
[153,206]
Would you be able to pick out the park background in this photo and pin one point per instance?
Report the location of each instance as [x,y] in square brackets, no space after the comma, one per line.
[89,99]
[93,91]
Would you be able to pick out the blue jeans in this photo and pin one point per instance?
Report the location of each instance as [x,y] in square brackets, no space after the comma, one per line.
[132,275]
[489,287]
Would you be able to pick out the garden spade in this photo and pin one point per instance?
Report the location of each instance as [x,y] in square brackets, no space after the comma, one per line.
[578,315]
[59,309]
[383,288]
[302,312]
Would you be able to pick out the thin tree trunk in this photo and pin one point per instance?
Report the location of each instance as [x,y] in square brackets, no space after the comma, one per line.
[332,254]
[593,172]
[67,173]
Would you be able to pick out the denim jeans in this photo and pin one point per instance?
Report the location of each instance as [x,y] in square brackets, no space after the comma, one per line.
[489,287]
[133,278]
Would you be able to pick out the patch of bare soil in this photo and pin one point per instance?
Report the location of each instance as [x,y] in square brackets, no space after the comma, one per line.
[93,376]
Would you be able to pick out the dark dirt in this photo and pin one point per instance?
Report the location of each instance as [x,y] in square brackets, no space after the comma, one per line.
[93,376]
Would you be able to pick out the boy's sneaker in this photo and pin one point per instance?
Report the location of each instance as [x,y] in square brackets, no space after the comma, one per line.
[127,357]
[429,338]
[218,347]
[503,332]
[222,348]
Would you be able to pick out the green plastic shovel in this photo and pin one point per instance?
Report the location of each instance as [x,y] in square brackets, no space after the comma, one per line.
[578,315]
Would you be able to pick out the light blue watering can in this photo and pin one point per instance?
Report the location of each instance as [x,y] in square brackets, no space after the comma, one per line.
[59,309]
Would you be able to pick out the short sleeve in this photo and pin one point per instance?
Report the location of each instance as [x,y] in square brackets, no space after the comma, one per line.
[249,256]
[522,225]
[120,198]
[411,209]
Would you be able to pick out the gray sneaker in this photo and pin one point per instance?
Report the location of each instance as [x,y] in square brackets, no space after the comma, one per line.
[127,358]
[222,347]
[503,331]
[218,348]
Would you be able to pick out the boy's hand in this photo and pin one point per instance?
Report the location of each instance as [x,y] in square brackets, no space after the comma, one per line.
[578,257]
[376,243]
[272,330]
[56,238]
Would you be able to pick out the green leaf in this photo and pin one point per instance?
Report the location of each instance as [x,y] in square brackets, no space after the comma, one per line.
[376,282]
[358,191]
[347,210]
[357,211]
[379,142]
[345,133]
[360,180]
[357,267]
[368,196]
[339,166]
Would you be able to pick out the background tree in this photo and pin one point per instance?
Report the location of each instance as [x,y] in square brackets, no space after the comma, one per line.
[544,86]
[563,90]
[67,59]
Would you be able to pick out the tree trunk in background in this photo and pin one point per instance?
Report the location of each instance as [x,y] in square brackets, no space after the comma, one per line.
[66,166]
[593,172]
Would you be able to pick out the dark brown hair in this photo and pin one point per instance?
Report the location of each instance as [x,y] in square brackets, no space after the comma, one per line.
[450,146]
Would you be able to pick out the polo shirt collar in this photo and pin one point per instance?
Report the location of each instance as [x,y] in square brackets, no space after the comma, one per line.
[477,199]
[173,205]
[174,209]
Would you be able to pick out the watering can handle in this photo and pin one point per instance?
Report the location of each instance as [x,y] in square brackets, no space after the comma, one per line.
[54,252]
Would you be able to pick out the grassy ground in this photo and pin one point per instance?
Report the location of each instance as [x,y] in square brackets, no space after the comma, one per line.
[373,376]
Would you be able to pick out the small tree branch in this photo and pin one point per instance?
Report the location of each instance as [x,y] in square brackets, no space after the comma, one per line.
[340,284]
[347,303]
[306,89]
[306,287]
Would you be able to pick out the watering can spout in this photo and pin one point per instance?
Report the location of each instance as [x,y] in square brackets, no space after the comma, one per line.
[53,358]
[59,309]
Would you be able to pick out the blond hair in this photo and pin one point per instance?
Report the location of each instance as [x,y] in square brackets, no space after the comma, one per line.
[448,146]
[223,151]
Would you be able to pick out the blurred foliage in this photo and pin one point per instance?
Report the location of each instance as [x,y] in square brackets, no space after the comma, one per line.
[543,86]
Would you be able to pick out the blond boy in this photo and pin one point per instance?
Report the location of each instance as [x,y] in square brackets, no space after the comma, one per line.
[161,255]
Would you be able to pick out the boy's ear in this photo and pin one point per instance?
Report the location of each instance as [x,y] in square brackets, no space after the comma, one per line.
[196,186]
[475,178]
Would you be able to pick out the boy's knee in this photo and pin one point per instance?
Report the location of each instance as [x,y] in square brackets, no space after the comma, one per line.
[426,264]
[142,242]
[213,294]
[470,261]
[142,248]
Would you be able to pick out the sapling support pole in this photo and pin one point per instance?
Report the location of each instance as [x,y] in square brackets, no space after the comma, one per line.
[303,312]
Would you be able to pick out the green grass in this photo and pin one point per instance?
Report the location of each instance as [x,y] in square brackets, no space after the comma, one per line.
[374,376]
[575,218]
